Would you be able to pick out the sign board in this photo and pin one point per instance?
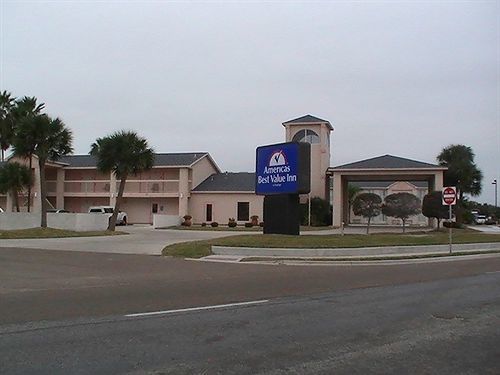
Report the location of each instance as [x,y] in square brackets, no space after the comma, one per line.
[283,168]
[449,196]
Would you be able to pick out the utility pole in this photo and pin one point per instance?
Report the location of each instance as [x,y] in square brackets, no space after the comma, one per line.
[495,182]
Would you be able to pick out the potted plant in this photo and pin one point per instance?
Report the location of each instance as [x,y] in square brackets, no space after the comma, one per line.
[254,220]
[187,220]
[232,222]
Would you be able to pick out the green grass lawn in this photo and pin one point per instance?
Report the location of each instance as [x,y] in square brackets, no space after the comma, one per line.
[199,249]
[51,233]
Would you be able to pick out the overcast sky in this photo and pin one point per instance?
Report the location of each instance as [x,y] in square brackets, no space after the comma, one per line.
[401,78]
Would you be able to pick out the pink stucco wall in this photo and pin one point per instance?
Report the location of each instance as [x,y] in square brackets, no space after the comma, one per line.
[224,205]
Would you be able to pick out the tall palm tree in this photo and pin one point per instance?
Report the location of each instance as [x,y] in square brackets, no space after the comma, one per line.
[14,178]
[24,112]
[50,139]
[6,121]
[124,153]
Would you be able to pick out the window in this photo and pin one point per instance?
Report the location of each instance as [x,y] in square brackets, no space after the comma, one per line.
[209,212]
[243,211]
[306,136]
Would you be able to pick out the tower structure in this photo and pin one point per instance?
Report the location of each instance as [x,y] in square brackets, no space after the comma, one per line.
[316,132]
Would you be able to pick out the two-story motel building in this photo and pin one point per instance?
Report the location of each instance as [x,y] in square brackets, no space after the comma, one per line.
[192,183]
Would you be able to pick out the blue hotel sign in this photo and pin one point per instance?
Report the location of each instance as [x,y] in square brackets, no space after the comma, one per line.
[283,168]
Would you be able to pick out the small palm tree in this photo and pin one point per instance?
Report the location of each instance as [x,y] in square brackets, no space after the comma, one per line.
[124,153]
[352,191]
[6,121]
[49,140]
[14,178]
[23,113]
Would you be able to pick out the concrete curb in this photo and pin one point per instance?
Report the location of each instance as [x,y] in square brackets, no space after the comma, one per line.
[353,252]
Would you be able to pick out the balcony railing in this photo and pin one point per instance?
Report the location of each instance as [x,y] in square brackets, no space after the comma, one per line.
[86,187]
[143,187]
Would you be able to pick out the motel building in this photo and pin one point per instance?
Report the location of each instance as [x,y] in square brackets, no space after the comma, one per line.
[193,184]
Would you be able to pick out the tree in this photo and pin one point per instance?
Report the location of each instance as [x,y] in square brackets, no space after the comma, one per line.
[367,205]
[49,140]
[432,206]
[6,121]
[401,206]
[23,114]
[124,153]
[14,178]
[462,171]
[352,191]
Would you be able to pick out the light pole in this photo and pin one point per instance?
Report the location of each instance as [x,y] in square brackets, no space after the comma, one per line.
[495,182]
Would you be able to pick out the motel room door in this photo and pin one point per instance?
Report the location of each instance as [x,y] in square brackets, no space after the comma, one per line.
[154,210]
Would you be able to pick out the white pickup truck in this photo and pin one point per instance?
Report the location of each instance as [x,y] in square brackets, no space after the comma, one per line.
[121,219]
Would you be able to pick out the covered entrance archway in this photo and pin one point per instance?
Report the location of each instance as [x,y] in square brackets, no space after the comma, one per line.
[381,168]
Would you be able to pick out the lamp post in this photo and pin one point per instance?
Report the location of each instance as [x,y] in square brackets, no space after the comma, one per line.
[495,182]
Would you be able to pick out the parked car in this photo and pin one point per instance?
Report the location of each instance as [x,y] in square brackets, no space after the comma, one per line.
[1,209]
[480,219]
[121,219]
[54,211]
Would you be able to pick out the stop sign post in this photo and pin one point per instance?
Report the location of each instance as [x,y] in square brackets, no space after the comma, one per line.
[449,199]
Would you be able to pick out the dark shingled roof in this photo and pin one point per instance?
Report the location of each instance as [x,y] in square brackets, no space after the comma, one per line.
[161,160]
[241,181]
[387,161]
[307,119]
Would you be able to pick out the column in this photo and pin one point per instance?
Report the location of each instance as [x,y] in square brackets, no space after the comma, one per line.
[10,203]
[60,188]
[112,190]
[337,200]
[183,191]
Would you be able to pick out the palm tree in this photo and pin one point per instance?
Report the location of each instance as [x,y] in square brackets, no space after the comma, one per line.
[6,121]
[124,153]
[49,140]
[24,112]
[352,191]
[14,178]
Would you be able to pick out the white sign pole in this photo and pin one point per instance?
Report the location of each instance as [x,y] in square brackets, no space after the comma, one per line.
[450,228]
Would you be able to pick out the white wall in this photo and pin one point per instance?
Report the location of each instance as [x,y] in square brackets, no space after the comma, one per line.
[76,222]
[164,221]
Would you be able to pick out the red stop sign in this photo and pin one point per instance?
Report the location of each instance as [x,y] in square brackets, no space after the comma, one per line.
[449,195]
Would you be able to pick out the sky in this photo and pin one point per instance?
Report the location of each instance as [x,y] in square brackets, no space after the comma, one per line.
[405,78]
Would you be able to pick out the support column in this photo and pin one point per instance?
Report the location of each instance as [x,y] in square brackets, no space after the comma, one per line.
[183,191]
[337,200]
[60,188]
[10,203]
[37,199]
[112,190]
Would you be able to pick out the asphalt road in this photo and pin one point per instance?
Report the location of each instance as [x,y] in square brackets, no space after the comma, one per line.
[63,312]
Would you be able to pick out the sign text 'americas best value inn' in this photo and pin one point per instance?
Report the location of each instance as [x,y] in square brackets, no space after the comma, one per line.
[283,168]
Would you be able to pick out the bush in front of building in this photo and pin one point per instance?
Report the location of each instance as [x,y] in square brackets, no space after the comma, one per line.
[232,223]
[261,224]
[203,224]
[249,225]
[255,220]
[321,213]
[214,224]
[401,206]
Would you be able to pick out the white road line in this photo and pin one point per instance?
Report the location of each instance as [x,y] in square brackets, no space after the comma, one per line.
[197,308]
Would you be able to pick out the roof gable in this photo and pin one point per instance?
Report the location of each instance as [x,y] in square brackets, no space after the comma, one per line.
[308,119]
[388,162]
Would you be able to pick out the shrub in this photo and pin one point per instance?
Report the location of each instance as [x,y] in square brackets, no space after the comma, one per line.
[255,220]
[232,222]
[453,224]
[187,220]
[261,224]
[203,224]
[321,212]
[214,224]
[248,225]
